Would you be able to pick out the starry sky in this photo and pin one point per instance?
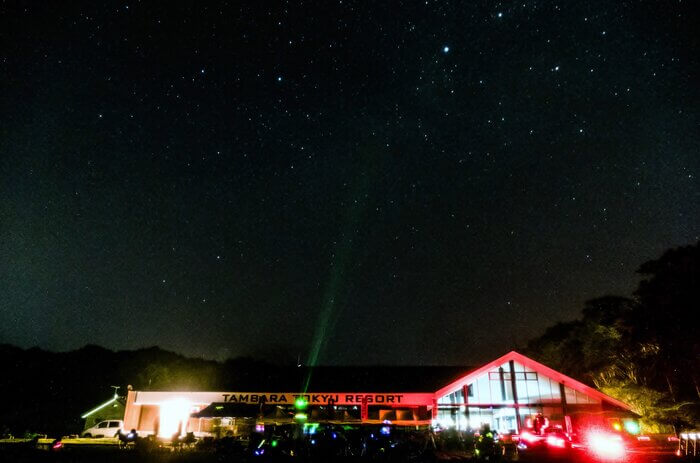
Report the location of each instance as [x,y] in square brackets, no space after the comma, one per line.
[350,182]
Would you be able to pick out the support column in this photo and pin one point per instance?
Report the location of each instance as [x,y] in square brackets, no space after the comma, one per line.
[567,419]
[518,425]
[465,393]
[562,394]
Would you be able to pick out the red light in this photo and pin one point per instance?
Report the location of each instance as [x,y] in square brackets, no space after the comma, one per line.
[57,445]
[605,445]
[643,438]
[528,437]
[555,441]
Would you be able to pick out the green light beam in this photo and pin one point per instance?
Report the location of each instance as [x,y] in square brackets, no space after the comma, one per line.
[341,257]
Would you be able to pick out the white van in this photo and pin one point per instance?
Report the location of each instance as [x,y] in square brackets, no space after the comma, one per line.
[109,428]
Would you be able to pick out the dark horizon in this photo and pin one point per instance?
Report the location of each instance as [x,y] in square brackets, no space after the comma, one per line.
[269,360]
[350,182]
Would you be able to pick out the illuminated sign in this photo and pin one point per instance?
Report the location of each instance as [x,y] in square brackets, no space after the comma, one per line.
[286,398]
[314,399]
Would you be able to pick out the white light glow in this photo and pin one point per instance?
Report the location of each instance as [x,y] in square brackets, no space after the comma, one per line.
[606,446]
[174,415]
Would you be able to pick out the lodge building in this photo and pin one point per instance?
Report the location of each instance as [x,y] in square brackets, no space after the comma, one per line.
[506,394]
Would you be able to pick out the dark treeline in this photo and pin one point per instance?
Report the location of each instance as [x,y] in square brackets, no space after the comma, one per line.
[643,349]
[47,392]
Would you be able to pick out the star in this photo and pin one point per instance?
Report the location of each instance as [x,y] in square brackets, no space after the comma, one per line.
[372,127]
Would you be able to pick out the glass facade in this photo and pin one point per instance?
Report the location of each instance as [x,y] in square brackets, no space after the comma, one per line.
[490,399]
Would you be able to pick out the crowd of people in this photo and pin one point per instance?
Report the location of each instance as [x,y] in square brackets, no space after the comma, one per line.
[325,443]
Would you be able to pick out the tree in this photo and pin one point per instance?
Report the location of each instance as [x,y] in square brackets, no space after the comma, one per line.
[590,348]
[667,318]
[643,351]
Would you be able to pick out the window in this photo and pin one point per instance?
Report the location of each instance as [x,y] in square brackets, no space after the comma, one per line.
[114,424]
[519,375]
[103,424]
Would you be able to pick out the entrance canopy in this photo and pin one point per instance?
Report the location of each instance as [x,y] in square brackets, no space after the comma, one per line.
[230,410]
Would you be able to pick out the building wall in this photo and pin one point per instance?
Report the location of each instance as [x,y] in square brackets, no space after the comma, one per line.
[152,411]
[502,394]
[132,412]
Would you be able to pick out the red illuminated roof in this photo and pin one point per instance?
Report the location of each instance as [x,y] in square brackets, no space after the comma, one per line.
[538,367]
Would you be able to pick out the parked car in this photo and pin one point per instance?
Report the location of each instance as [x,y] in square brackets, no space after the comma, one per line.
[109,428]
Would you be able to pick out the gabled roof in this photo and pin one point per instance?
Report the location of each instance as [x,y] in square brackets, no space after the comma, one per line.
[538,367]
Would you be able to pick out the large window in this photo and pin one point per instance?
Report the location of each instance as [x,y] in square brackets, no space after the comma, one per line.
[495,388]
[501,419]
[456,397]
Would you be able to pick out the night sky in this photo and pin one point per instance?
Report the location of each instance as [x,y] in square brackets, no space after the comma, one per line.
[353,181]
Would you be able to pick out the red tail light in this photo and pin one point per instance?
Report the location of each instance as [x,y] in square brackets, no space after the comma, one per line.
[528,437]
[556,441]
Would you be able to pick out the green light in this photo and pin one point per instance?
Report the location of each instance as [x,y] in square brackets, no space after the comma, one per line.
[632,427]
[219,407]
[342,253]
[273,443]
[100,407]
[300,416]
[300,403]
